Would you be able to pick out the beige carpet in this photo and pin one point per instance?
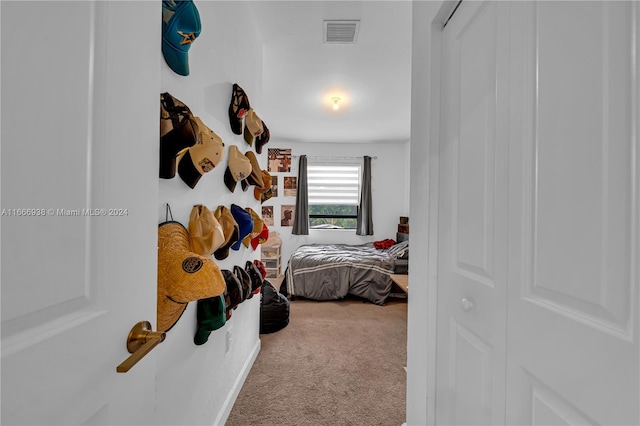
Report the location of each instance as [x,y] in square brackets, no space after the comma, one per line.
[336,363]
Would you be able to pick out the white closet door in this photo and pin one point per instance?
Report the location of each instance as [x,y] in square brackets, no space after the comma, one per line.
[573,254]
[472,268]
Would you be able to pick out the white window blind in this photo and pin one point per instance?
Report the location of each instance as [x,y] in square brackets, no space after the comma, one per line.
[333,184]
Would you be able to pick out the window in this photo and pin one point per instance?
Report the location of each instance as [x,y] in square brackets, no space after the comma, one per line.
[334,194]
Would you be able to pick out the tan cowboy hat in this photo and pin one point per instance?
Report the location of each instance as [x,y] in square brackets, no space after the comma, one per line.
[183,276]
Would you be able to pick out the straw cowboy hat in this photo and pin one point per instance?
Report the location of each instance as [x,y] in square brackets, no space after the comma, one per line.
[183,276]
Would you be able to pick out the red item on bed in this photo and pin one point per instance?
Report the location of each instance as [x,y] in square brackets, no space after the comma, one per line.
[384,244]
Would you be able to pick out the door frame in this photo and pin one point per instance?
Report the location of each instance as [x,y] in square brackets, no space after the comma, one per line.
[425,169]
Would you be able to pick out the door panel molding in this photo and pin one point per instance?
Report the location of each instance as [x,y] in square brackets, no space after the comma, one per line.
[470,356]
[473,210]
[601,295]
[38,312]
[548,408]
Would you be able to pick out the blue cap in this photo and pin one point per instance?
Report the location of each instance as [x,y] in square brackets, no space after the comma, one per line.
[180,27]
[245,223]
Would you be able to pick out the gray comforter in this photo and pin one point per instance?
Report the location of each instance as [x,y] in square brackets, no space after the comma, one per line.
[331,271]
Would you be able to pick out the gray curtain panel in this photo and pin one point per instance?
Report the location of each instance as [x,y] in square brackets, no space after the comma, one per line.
[301,218]
[364,225]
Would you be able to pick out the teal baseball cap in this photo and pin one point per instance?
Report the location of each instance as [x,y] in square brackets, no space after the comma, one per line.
[180,27]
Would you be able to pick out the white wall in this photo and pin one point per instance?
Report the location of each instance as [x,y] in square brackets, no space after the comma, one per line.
[197,384]
[390,191]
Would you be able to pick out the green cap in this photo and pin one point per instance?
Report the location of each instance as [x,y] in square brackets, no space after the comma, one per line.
[211,316]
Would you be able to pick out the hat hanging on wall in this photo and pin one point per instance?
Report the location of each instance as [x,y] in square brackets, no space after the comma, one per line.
[180,27]
[183,276]
[234,294]
[245,280]
[231,231]
[238,168]
[261,238]
[255,177]
[178,131]
[211,315]
[202,157]
[205,232]
[252,127]
[257,227]
[256,276]
[244,221]
[261,268]
[263,139]
[238,108]
[259,191]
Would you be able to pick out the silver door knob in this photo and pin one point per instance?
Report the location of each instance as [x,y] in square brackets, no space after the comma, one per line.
[467,304]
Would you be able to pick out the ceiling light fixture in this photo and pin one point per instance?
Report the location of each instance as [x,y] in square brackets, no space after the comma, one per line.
[336,103]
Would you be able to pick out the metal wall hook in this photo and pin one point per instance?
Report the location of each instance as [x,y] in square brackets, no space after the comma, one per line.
[140,341]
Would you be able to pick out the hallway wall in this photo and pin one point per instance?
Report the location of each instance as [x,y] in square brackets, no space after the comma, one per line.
[198,384]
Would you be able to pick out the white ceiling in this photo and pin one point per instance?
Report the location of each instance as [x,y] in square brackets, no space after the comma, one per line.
[301,73]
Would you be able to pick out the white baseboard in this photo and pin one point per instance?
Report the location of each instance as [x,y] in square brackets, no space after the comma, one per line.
[223,414]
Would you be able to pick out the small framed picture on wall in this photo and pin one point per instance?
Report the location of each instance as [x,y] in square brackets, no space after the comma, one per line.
[288,211]
[267,215]
[279,160]
[290,186]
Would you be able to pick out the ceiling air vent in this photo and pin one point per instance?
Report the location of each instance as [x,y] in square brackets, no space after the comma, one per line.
[341,31]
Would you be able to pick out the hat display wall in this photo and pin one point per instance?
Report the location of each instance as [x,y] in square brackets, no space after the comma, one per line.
[180,28]
[231,231]
[245,224]
[238,168]
[205,232]
[183,276]
[202,157]
[238,108]
[211,315]
[178,131]
[255,177]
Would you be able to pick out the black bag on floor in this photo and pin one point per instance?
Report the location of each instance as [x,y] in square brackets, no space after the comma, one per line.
[274,309]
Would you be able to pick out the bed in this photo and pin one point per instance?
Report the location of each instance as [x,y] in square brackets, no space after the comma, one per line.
[332,271]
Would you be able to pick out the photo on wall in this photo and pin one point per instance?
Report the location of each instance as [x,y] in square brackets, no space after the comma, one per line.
[288,211]
[290,186]
[267,215]
[279,160]
[274,186]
